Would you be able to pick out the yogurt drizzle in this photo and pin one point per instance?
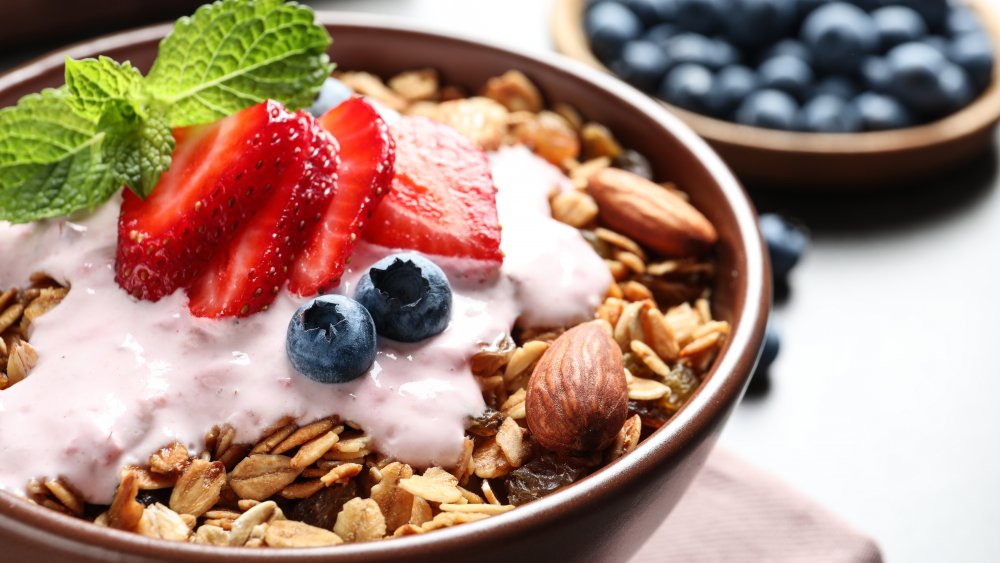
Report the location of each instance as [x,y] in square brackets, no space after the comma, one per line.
[118,379]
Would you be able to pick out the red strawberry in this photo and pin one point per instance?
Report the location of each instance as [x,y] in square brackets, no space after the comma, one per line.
[220,175]
[367,153]
[443,200]
[244,276]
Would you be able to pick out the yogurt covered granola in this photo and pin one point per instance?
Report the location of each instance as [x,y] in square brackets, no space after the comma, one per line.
[186,428]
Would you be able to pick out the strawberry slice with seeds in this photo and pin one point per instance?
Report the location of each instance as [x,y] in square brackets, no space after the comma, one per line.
[367,153]
[246,275]
[220,175]
[442,200]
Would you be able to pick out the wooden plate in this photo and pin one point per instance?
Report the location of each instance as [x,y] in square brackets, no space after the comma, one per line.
[816,161]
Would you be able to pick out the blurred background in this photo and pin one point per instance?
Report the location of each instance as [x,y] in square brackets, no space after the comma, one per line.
[882,403]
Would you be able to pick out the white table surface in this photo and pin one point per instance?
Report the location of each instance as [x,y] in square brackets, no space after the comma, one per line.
[885,402]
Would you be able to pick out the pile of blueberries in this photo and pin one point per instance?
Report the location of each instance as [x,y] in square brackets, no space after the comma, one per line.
[799,65]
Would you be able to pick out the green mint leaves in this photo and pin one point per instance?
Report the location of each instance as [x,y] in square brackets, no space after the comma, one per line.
[233,54]
[73,148]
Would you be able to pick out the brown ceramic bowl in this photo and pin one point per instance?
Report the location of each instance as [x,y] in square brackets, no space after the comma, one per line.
[604,517]
[811,161]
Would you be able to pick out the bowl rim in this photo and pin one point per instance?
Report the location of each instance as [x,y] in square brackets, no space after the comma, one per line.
[566,25]
[719,392]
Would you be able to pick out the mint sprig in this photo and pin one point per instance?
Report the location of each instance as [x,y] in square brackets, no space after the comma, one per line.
[74,147]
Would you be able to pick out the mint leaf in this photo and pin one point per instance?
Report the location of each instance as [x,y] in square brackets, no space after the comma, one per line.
[50,160]
[101,85]
[140,154]
[233,54]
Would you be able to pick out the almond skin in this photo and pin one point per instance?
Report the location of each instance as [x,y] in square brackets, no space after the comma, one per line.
[650,214]
[577,398]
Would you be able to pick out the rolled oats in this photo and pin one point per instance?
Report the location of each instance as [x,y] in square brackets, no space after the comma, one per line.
[395,502]
[198,488]
[290,533]
[435,485]
[360,520]
[515,91]
[260,476]
[160,522]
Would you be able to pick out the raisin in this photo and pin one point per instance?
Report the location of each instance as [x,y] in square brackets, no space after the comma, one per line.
[635,163]
[682,382]
[486,424]
[321,509]
[652,415]
[147,498]
[544,475]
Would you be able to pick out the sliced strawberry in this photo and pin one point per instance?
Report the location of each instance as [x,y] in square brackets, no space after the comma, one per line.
[220,175]
[443,200]
[244,276]
[367,153]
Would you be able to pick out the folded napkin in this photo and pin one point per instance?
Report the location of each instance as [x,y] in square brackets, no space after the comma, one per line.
[736,512]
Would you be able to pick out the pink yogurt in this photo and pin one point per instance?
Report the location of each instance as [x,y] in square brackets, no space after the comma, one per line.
[118,379]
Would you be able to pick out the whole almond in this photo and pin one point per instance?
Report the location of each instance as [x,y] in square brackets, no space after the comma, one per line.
[650,214]
[577,396]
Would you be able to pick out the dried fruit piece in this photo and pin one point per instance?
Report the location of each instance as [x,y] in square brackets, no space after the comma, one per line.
[321,509]
[125,512]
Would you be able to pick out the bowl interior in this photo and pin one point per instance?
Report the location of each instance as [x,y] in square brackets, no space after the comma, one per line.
[742,293]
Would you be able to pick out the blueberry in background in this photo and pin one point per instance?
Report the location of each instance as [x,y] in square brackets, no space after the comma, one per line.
[330,95]
[926,82]
[789,46]
[642,64]
[839,35]
[961,19]
[408,296]
[876,74]
[760,381]
[694,48]
[753,23]
[772,109]
[609,26]
[830,114]
[896,25]
[939,42]
[700,16]
[786,73]
[881,113]
[839,86]
[934,12]
[661,33]
[726,53]
[975,53]
[652,12]
[786,243]
[331,339]
[731,86]
[687,86]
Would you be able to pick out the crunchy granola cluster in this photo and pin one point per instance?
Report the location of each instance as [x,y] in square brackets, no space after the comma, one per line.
[321,483]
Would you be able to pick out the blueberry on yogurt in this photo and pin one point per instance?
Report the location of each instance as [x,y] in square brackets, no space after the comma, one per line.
[408,296]
[331,339]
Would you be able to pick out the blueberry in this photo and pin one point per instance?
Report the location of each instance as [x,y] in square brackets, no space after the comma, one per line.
[698,49]
[652,12]
[839,35]
[830,114]
[408,297]
[961,19]
[753,23]
[896,25]
[726,53]
[934,12]
[609,26]
[839,86]
[700,16]
[926,82]
[880,112]
[769,351]
[331,339]
[661,34]
[330,95]
[974,53]
[786,243]
[687,86]
[786,73]
[788,46]
[642,64]
[772,109]
[938,42]
[731,86]
[876,74]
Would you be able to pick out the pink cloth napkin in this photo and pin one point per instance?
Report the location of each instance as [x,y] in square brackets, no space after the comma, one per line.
[736,512]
